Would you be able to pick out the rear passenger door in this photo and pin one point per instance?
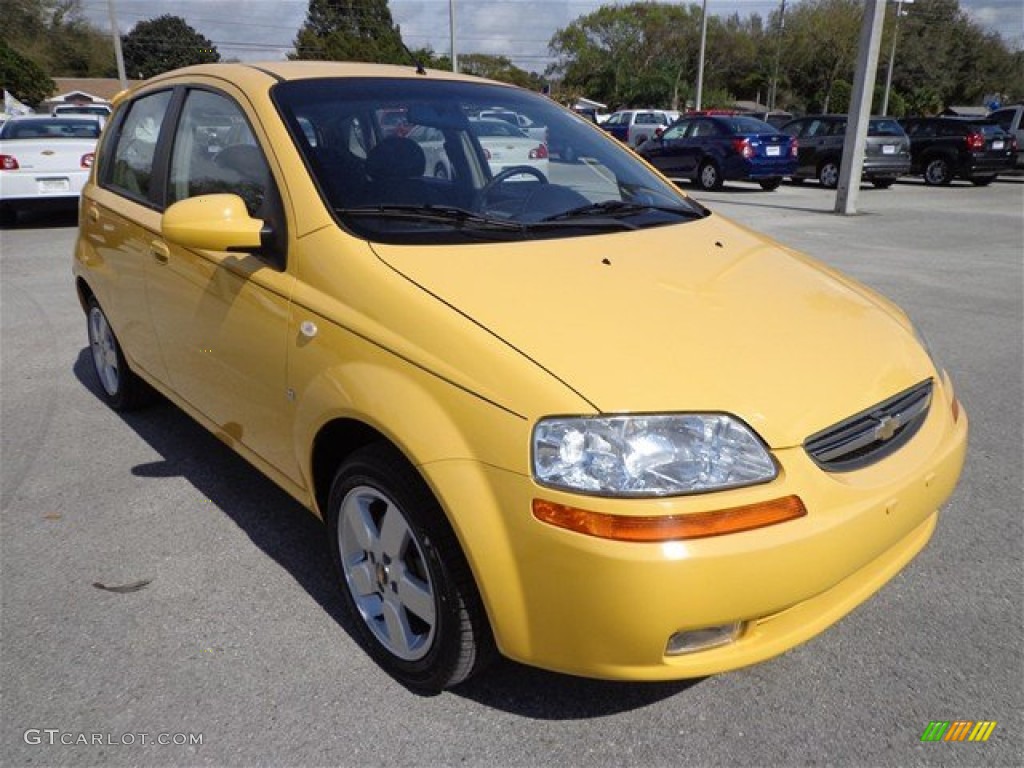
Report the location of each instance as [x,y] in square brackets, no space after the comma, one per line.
[222,318]
[120,215]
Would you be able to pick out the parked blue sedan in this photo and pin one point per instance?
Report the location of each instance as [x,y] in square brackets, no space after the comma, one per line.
[712,149]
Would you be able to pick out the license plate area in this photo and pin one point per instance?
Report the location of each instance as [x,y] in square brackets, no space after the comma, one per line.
[998,144]
[49,186]
[888,149]
[773,151]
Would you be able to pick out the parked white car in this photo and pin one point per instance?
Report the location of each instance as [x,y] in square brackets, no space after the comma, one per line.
[44,161]
[532,129]
[504,146]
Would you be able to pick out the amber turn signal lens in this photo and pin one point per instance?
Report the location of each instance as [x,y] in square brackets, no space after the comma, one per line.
[669,527]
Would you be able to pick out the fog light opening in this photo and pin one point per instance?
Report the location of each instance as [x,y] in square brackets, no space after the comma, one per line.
[694,640]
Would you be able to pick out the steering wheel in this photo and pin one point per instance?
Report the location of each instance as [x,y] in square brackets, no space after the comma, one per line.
[513,170]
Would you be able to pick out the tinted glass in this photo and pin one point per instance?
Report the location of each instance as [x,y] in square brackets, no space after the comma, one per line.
[136,144]
[215,152]
[365,172]
[881,127]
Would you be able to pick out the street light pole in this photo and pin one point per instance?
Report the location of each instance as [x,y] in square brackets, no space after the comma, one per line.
[117,45]
[703,39]
[892,53]
[451,29]
[778,55]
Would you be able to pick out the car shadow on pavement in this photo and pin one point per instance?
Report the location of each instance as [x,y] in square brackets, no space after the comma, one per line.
[59,218]
[294,538]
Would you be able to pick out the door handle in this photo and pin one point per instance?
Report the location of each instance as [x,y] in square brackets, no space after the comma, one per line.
[160,251]
[93,213]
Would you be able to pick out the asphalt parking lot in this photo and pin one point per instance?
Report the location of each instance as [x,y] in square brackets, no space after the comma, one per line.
[237,641]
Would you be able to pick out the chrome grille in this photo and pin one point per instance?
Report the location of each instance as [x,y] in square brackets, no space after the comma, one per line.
[871,435]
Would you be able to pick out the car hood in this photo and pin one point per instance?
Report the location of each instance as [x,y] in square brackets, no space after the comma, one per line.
[704,316]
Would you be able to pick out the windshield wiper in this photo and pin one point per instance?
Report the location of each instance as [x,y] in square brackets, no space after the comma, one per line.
[433,213]
[618,209]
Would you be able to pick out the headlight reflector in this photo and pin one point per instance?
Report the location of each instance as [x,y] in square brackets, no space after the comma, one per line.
[653,455]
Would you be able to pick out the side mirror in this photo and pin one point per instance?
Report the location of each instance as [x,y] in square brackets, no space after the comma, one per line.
[212,223]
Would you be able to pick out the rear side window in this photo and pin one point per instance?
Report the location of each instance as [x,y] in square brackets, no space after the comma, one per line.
[132,171]
[215,152]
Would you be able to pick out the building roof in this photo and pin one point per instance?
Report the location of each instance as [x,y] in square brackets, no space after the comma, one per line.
[91,88]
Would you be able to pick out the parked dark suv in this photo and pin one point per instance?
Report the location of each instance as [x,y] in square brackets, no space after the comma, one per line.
[944,148]
[821,139]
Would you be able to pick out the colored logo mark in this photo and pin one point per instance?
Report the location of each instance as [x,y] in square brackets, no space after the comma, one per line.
[958,730]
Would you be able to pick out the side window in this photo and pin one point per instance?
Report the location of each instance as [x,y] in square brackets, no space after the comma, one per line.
[215,151]
[132,165]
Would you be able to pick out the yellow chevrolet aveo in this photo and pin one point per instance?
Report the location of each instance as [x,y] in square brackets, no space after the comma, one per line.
[547,405]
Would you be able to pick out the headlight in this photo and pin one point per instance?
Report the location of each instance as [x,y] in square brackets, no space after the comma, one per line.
[658,455]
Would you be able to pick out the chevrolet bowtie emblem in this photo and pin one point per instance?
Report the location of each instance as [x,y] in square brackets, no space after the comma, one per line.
[887,427]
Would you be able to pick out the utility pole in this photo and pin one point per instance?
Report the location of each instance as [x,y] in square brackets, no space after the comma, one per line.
[892,52]
[778,56]
[860,107]
[703,39]
[117,45]
[451,30]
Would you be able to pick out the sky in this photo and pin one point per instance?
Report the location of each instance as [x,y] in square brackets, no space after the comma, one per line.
[261,30]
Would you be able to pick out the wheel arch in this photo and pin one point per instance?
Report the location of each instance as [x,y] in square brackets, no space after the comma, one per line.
[84,292]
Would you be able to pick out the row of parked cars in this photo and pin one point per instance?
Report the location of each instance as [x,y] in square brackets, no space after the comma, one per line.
[710,149]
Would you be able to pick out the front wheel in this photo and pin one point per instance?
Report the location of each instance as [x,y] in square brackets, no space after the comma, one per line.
[120,388]
[406,584]
[770,185]
[708,177]
[828,174]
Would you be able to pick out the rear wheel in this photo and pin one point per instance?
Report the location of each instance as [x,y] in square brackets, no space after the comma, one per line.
[769,185]
[982,181]
[406,584]
[709,178]
[937,172]
[119,386]
[828,174]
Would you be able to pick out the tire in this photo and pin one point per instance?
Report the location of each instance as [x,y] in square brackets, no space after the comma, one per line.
[770,185]
[982,181]
[120,388]
[828,174]
[709,178]
[937,172]
[406,585]
[883,183]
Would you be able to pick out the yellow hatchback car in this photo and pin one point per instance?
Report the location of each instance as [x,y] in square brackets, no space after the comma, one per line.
[558,411]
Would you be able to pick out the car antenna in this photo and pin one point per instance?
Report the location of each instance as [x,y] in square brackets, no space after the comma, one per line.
[415,60]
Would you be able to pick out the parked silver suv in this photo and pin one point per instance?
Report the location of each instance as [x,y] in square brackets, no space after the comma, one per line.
[820,140]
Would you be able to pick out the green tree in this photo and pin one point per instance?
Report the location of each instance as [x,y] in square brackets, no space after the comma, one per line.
[350,30]
[495,68]
[820,49]
[162,44]
[55,35]
[25,80]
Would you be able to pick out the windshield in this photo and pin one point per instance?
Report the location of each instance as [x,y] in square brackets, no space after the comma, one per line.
[425,161]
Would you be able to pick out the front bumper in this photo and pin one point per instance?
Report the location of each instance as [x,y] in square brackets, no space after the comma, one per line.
[600,608]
